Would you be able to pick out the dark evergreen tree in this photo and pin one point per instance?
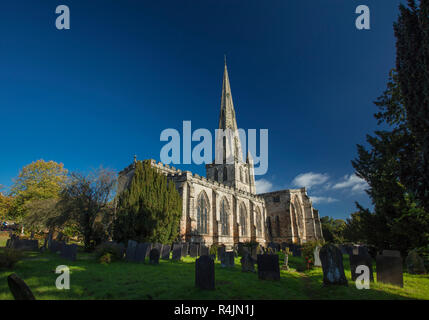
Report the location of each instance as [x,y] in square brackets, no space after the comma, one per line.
[150,209]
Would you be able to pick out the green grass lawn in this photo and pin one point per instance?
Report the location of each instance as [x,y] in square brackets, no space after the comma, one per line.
[176,280]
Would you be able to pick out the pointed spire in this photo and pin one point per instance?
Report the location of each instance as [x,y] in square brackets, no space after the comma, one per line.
[227,112]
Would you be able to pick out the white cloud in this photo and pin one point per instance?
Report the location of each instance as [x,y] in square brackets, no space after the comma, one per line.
[310,179]
[263,186]
[352,181]
[318,200]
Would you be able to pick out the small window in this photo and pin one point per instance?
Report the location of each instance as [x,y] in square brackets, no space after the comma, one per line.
[276,199]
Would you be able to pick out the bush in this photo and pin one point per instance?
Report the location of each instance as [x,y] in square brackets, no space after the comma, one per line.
[308,252]
[106,258]
[213,250]
[114,251]
[9,257]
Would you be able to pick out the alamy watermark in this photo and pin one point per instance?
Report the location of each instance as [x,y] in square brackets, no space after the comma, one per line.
[229,144]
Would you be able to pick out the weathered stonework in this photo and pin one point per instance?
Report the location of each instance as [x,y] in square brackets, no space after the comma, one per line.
[224,207]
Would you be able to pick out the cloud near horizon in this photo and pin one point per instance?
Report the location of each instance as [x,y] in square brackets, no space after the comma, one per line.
[318,200]
[352,181]
[263,186]
[310,179]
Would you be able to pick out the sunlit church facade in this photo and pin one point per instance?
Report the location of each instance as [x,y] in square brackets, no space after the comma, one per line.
[223,207]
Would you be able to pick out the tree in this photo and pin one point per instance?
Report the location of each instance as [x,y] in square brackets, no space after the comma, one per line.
[150,209]
[37,181]
[412,64]
[84,201]
[332,229]
[5,205]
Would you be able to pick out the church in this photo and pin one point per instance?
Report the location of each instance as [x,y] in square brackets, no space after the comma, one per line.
[223,207]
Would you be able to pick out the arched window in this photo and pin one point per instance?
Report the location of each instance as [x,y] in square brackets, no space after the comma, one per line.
[225,174]
[216,177]
[224,217]
[241,174]
[202,213]
[243,220]
[258,222]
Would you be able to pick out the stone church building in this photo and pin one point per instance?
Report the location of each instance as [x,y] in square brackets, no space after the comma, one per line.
[223,207]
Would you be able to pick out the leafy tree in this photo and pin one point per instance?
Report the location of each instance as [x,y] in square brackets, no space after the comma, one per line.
[84,201]
[150,209]
[332,229]
[37,181]
[5,205]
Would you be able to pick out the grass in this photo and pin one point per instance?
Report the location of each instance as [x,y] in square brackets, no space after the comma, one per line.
[175,280]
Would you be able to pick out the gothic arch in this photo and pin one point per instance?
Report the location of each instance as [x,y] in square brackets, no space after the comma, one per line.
[243,219]
[299,217]
[203,209]
[258,221]
[224,216]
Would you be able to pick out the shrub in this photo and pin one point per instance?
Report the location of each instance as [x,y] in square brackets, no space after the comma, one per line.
[114,251]
[106,258]
[213,249]
[9,257]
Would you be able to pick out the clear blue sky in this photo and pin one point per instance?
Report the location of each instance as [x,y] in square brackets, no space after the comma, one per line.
[104,90]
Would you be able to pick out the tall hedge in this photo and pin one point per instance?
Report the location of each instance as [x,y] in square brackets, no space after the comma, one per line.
[150,209]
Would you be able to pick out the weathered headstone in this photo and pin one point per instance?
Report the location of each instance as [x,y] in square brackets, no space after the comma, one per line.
[415,263]
[228,259]
[142,251]
[332,265]
[205,273]
[247,263]
[316,253]
[177,251]
[19,288]
[130,254]
[193,250]
[296,252]
[69,251]
[220,252]
[185,248]
[204,250]
[165,253]
[360,259]
[56,246]
[268,267]
[389,268]
[154,256]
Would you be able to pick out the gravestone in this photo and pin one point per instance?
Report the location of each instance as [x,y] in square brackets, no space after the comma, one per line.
[204,251]
[247,263]
[193,250]
[142,251]
[389,268]
[69,252]
[130,254]
[177,251]
[19,288]
[268,267]
[415,263]
[316,253]
[362,258]
[228,259]
[284,245]
[185,248]
[165,252]
[157,246]
[154,256]
[56,246]
[296,252]
[205,273]
[332,265]
[23,244]
[220,252]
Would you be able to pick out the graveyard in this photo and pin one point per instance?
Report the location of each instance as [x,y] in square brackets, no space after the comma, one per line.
[170,279]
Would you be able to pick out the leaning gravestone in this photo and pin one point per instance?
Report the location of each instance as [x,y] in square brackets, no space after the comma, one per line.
[19,288]
[362,258]
[415,263]
[316,253]
[142,251]
[177,251]
[69,252]
[268,267]
[220,252]
[247,264]
[193,250]
[154,256]
[389,268]
[165,253]
[205,273]
[332,265]
[228,259]
[130,254]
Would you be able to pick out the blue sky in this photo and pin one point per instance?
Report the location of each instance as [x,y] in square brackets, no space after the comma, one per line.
[104,90]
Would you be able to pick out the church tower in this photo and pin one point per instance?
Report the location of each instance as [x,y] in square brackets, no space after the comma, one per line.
[228,167]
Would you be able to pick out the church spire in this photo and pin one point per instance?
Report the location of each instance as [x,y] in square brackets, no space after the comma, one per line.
[227,113]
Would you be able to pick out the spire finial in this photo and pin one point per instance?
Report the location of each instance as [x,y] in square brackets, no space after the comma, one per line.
[224,58]
[135,158]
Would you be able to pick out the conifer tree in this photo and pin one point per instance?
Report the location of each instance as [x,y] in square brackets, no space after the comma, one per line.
[150,209]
